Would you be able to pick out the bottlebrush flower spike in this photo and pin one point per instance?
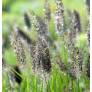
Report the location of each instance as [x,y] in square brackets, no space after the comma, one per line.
[41,58]
[18,46]
[75,26]
[40,25]
[47,11]
[88,4]
[73,70]
[88,67]
[41,55]
[76,55]
[27,20]
[47,15]
[59,17]
[76,21]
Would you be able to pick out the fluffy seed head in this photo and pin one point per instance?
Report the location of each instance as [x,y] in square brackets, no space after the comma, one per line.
[18,46]
[59,17]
